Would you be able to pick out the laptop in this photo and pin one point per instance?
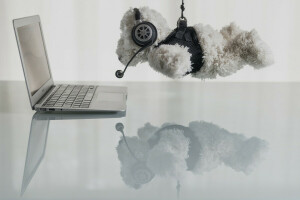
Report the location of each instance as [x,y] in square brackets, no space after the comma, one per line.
[43,94]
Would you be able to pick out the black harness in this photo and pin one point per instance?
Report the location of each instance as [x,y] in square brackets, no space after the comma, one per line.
[187,37]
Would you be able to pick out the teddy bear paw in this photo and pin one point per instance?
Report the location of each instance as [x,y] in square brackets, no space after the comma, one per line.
[171,60]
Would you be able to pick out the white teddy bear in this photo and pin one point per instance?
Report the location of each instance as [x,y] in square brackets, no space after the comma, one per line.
[224,52]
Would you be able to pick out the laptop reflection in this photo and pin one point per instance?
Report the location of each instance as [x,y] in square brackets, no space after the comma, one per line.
[37,141]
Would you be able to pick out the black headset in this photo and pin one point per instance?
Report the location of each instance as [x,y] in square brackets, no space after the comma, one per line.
[144,34]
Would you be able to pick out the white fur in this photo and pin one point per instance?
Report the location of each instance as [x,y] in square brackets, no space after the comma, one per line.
[229,50]
[220,146]
[171,60]
[139,149]
[225,51]
[167,158]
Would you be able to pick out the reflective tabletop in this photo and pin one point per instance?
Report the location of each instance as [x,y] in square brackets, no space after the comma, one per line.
[177,140]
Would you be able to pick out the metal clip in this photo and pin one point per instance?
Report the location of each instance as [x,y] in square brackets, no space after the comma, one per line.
[182,22]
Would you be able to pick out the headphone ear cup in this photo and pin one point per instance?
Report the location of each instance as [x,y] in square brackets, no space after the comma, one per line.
[141,173]
[144,33]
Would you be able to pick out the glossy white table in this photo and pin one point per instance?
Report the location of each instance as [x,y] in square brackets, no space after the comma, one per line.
[221,141]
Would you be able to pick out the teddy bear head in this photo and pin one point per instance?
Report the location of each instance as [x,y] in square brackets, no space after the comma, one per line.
[127,47]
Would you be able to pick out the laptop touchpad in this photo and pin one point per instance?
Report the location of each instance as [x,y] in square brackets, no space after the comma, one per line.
[110,96]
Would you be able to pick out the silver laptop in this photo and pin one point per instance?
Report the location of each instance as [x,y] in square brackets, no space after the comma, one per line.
[44,95]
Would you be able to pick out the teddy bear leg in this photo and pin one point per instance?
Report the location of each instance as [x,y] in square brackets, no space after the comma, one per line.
[250,47]
[230,32]
[170,60]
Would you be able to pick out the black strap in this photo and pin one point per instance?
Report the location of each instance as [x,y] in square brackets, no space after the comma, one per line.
[137,14]
[180,32]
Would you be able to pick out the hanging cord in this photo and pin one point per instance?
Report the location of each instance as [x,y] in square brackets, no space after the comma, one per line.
[182,20]
[182,9]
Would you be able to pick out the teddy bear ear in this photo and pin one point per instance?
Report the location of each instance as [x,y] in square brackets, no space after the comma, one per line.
[127,20]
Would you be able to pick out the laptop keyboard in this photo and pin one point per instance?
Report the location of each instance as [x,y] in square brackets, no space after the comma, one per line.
[71,96]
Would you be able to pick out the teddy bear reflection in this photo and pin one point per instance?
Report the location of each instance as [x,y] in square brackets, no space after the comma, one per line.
[173,150]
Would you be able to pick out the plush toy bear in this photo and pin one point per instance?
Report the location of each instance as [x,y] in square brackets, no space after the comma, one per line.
[223,52]
[171,150]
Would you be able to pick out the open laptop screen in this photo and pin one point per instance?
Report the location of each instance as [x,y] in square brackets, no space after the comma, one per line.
[34,56]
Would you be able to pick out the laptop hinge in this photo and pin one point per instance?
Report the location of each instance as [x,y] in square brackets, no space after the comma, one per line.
[45,95]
